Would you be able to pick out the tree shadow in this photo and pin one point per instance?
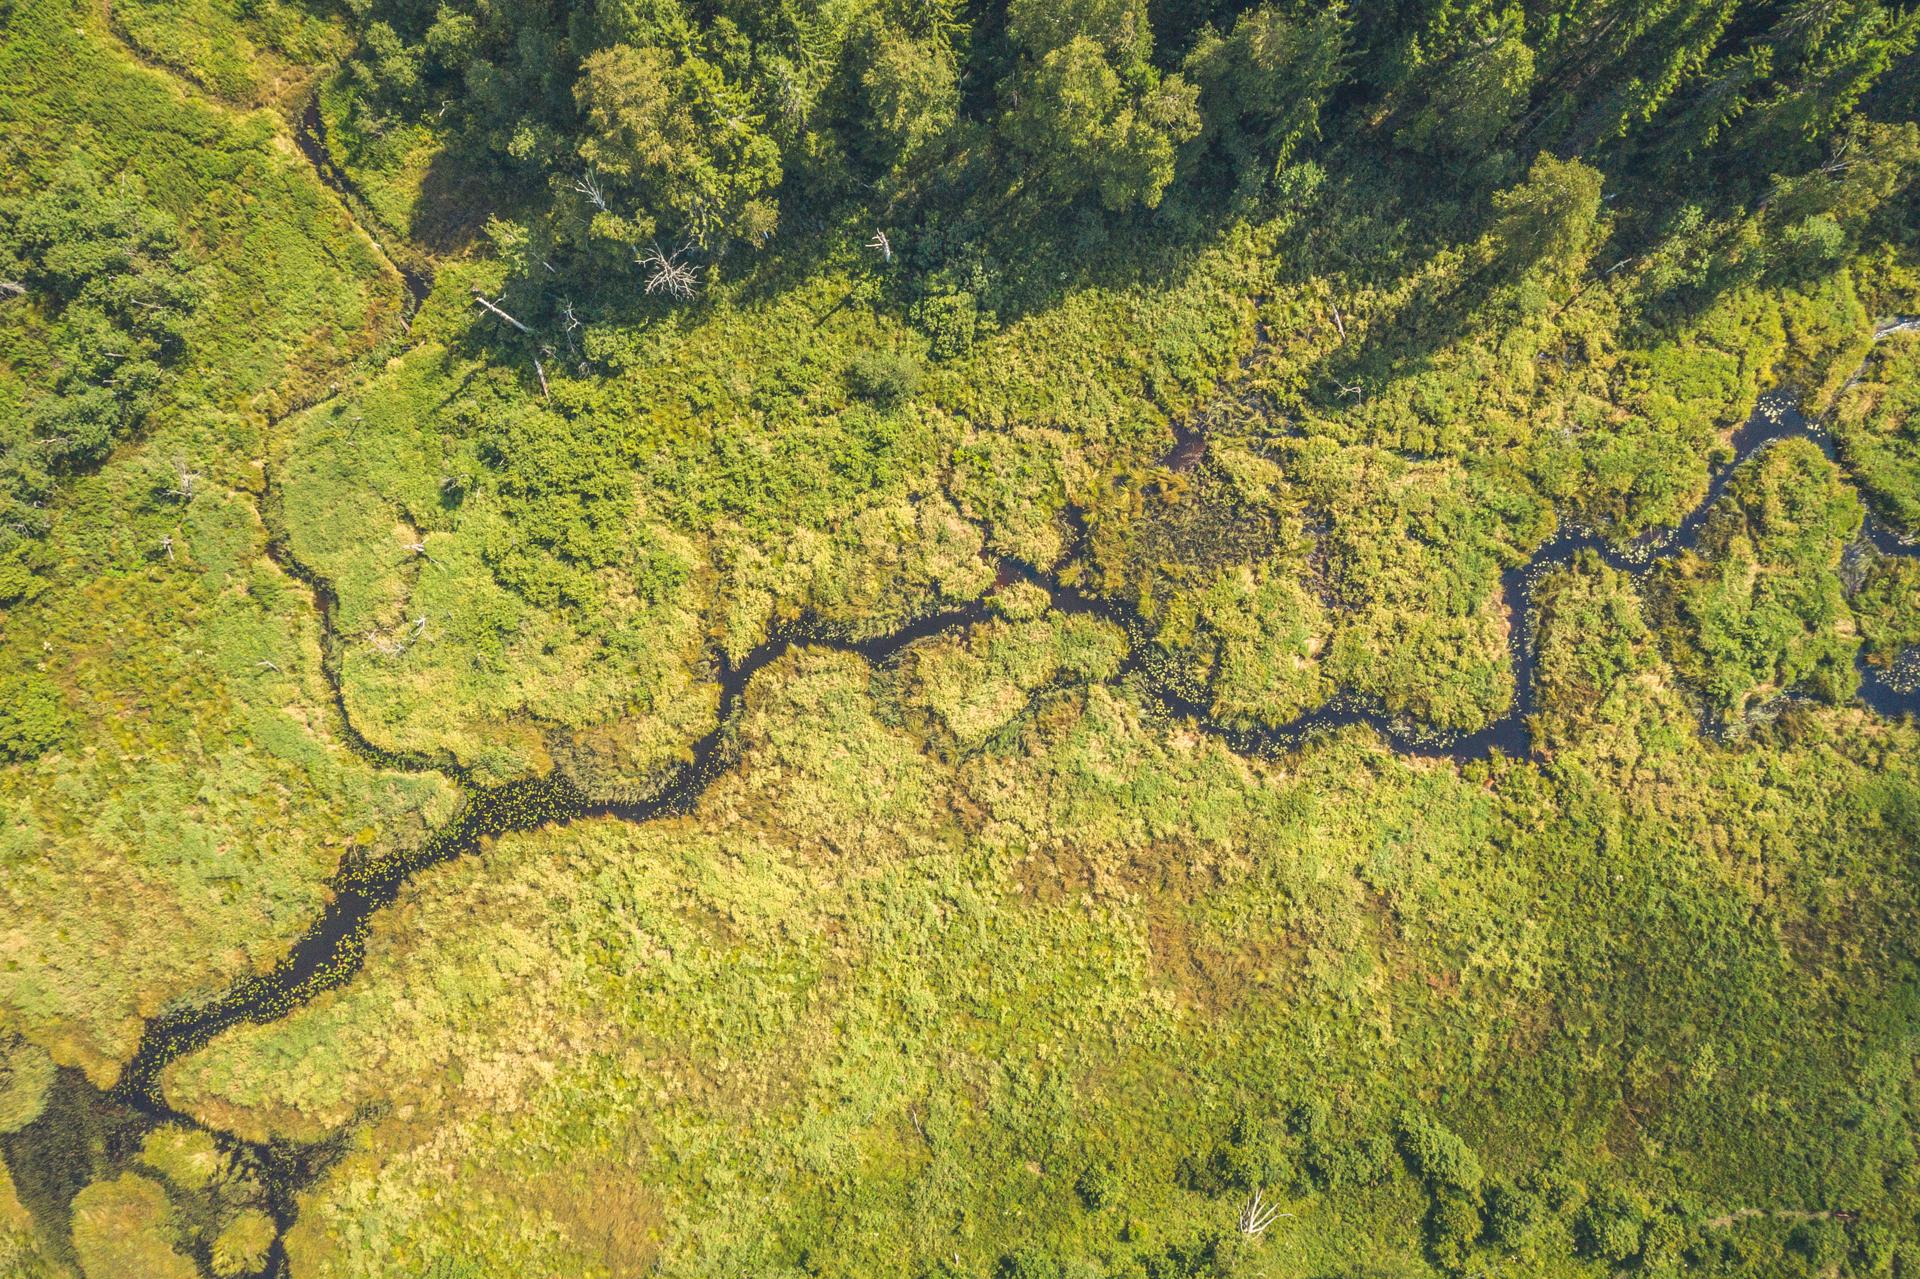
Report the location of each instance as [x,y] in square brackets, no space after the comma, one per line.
[460,191]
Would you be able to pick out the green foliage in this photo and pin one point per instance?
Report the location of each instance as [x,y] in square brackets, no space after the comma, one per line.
[567,505]
[26,1072]
[1611,1226]
[173,779]
[1759,609]
[122,1227]
[1248,1158]
[1254,318]
[243,51]
[104,305]
[669,132]
[1453,1228]
[1877,428]
[1198,1258]
[1513,1213]
[1098,1186]
[1027,1263]
[32,717]
[186,1157]
[1092,113]
[887,378]
[847,897]
[1465,88]
[1887,608]
[1438,1154]
[909,90]
[1551,221]
[1263,85]
[242,1247]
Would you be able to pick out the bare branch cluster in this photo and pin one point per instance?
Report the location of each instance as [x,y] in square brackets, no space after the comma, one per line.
[396,643]
[588,185]
[668,273]
[1257,1215]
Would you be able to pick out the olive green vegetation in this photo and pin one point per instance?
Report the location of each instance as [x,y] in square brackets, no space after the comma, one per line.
[1759,607]
[25,1074]
[906,998]
[1887,607]
[1285,330]
[179,788]
[1877,428]
[245,54]
[507,561]
[24,1251]
[120,1227]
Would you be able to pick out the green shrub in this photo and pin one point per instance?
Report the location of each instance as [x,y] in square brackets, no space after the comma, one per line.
[1098,1185]
[1248,1158]
[1822,1243]
[1195,1259]
[32,716]
[26,1073]
[242,1247]
[1437,1153]
[1512,1213]
[952,322]
[1336,1164]
[1028,1263]
[1610,1227]
[1453,1227]
[1663,1244]
[884,377]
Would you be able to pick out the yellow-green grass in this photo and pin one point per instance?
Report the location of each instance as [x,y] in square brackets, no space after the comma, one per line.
[870,1008]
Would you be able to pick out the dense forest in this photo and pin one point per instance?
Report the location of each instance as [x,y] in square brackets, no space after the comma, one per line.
[1063,639]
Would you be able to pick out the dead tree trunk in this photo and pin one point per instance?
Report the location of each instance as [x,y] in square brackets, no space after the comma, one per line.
[481,299]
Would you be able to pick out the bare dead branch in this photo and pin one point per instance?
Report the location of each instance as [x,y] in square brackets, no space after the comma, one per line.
[397,645]
[1257,1215]
[481,299]
[588,185]
[669,274]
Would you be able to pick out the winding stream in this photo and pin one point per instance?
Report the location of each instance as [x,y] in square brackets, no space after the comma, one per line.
[84,1129]
[333,947]
[1777,416]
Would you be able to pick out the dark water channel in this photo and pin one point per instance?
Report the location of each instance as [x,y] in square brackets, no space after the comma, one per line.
[310,135]
[1777,416]
[85,1134]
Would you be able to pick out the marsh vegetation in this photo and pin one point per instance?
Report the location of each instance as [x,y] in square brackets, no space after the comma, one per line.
[1021,640]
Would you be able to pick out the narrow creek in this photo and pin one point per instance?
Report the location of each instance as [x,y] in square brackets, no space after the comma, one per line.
[1777,416]
[85,1133]
[332,949]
